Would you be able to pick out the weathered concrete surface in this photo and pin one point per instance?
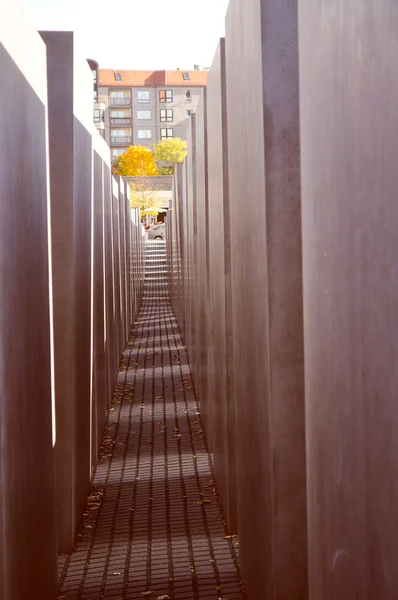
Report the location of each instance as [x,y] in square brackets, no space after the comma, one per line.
[60,125]
[176,243]
[220,409]
[108,278]
[100,398]
[265,212]
[199,364]
[350,179]
[70,146]
[191,295]
[28,566]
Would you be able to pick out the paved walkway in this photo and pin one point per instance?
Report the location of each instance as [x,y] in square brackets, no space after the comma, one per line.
[153,527]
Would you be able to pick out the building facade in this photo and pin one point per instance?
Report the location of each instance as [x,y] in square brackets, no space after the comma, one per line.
[99,107]
[144,107]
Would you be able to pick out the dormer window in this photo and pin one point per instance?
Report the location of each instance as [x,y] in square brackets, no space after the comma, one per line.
[186,77]
[118,77]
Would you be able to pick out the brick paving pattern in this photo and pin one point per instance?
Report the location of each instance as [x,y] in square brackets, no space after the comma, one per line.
[153,526]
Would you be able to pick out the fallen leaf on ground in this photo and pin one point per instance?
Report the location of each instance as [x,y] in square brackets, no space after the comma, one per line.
[148,593]
[164,597]
[228,537]
[200,502]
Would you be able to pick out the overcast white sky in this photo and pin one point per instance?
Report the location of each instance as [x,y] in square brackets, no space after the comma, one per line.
[137,34]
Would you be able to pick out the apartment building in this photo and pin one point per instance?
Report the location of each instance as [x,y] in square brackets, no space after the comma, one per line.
[99,107]
[143,107]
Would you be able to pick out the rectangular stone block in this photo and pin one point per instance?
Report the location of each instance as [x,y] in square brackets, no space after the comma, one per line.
[108,278]
[190,232]
[266,292]
[61,136]
[28,551]
[100,395]
[349,146]
[70,146]
[82,215]
[175,239]
[116,273]
[220,415]
[201,223]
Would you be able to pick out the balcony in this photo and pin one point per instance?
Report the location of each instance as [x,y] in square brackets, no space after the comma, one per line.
[121,141]
[121,121]
[121,101]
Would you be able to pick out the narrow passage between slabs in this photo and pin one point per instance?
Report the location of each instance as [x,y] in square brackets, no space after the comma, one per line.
[153,526]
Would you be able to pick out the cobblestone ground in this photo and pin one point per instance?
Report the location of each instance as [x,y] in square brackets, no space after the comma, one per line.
[153,526]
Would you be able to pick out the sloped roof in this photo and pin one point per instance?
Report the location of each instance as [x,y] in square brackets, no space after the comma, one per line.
[148,78]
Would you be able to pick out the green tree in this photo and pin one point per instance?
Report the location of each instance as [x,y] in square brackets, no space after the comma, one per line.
[137,161]
[170,151]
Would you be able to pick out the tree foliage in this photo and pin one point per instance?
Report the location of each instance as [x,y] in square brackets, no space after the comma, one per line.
[143,196]
[137,161]
[170,151]
[114,165]
[166,170]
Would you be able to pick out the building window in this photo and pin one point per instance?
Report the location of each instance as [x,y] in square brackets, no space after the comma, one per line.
[188,96]
[166,95]
[119,98]
[143,97]
[166,133]
[97,115]
[118,114]
[144,114]
[144,134]
[166,115]
[186,77]
[117,152]
[121,136]
[119,133]
[118,77]
[120,117]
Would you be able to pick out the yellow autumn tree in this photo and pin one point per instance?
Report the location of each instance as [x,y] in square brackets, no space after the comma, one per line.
[170,152]
[143,195]
[137,161]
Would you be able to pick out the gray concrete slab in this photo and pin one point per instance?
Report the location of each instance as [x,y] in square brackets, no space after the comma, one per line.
[27,495]
[349,146]
[265,213]
[99,399]
[70,147]
[221,408]
[201,216]
[61,136]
